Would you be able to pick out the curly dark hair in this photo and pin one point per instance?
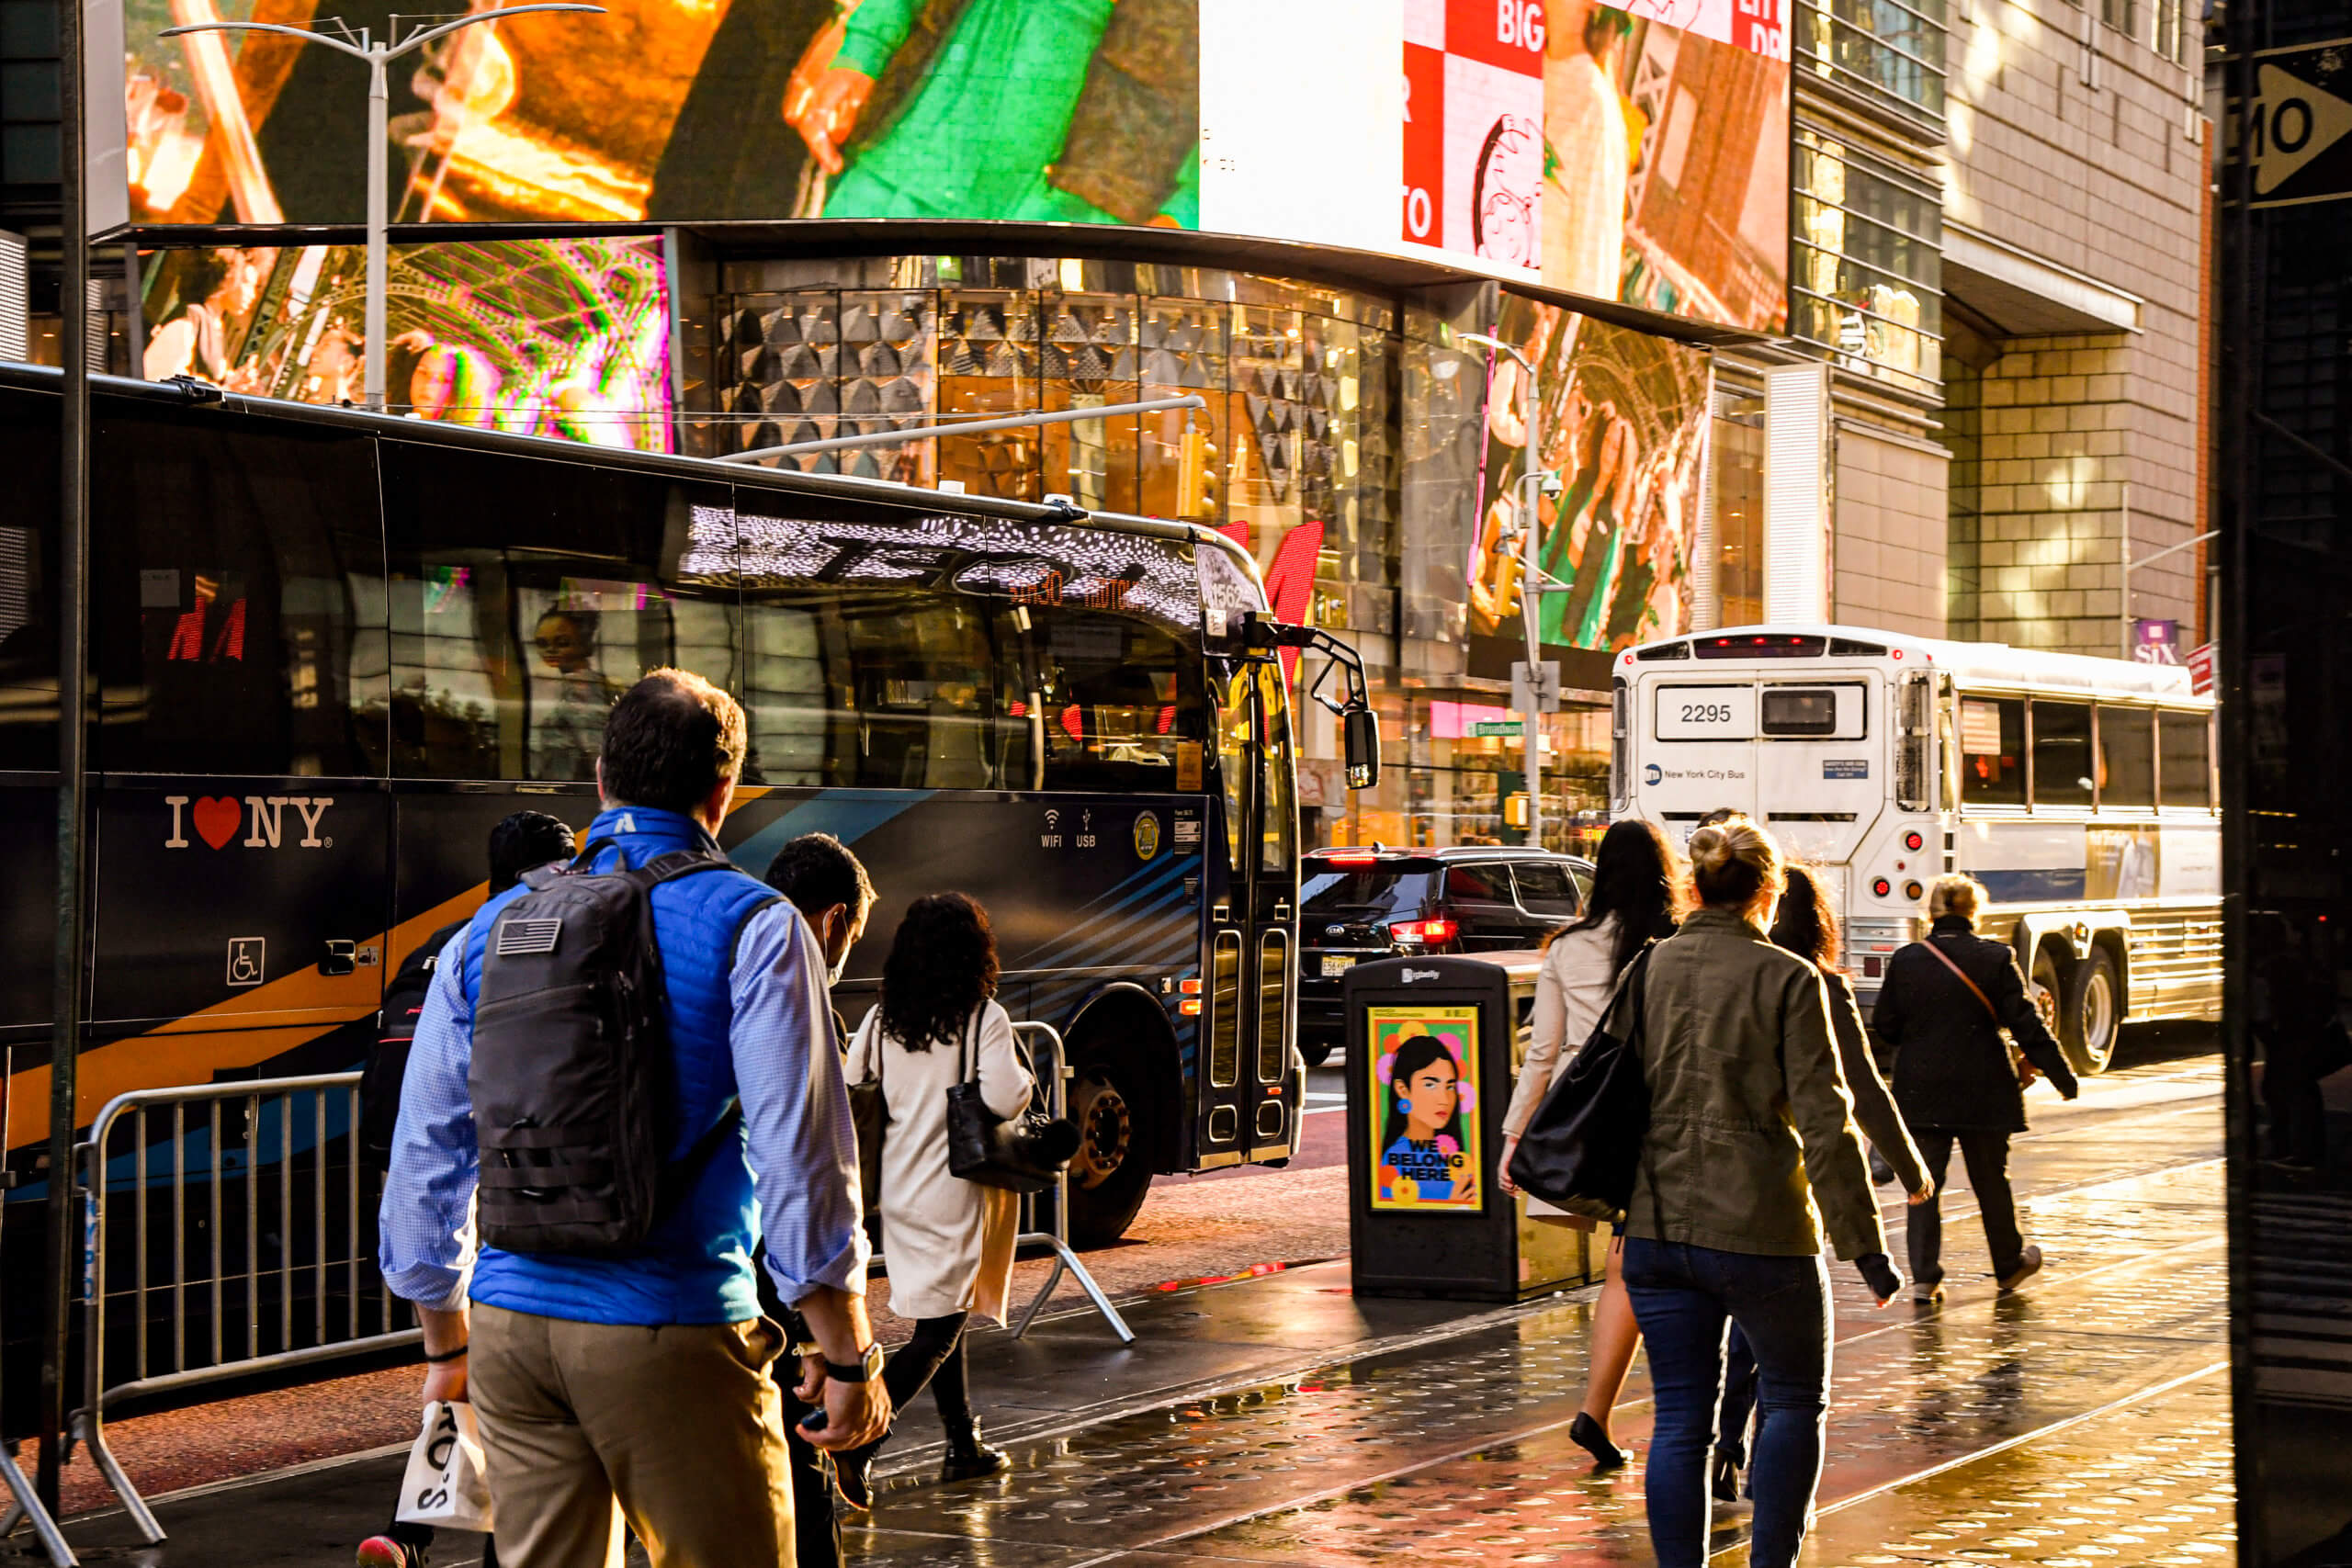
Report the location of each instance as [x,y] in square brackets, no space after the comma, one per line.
[942,966]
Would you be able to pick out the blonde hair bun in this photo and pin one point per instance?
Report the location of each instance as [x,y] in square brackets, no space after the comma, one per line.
[1735,863]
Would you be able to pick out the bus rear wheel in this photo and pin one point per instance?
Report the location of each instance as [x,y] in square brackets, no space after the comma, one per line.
[2088,1023]
[1111,1173]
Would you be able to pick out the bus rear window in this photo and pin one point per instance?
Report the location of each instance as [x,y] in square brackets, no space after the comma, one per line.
[1800,711]
[1992,750]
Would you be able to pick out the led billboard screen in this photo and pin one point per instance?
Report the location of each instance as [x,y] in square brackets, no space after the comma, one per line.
[1622,419]
[1634,156]
[533,337]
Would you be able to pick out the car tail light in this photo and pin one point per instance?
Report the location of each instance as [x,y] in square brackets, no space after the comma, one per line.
[1348,857]
[1427,932]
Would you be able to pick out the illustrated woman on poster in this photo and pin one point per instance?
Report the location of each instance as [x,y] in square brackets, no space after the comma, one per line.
[1424,1155]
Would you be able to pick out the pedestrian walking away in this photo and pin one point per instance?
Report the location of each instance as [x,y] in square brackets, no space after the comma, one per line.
[1750,1152]
[1806,925]
[1636,889]
[948,1244]
[606,1325]
[522,841]
[828,885]
[1945,1002]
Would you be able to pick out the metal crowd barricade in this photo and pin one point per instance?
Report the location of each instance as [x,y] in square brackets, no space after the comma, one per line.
[1046,1041]
[249,1247]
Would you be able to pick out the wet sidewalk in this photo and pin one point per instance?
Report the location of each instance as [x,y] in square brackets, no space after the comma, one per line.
[2080,1422]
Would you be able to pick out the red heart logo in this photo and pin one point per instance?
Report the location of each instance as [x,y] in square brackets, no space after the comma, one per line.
[216,819]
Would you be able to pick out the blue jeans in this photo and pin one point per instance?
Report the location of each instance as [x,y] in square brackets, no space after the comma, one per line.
[1685,1297]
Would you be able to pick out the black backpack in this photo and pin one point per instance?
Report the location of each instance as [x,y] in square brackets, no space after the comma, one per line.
[570,1078]
[379,1081]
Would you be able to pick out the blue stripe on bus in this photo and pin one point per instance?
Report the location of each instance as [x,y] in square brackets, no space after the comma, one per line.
[847,814]
[2041,887]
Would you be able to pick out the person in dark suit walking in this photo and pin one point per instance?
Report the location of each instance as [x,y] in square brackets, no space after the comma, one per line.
[828,885]
[1945,1002]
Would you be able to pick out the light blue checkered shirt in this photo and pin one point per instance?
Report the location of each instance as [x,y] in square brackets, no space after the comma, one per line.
[798,1137]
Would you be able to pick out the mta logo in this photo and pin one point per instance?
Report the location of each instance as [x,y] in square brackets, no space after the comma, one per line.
[1652,774]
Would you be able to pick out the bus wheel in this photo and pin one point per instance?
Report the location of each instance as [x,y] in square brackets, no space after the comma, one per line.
[1110,1173]
[2087,1025]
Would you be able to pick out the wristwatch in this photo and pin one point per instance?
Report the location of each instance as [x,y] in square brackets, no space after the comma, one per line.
[865,1368]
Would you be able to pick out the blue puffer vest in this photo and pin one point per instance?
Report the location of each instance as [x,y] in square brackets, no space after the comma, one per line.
[696,1267]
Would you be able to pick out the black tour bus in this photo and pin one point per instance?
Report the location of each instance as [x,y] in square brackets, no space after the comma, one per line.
[332,649]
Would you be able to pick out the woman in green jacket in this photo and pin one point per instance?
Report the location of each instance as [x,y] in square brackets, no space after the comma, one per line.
[1751,1153]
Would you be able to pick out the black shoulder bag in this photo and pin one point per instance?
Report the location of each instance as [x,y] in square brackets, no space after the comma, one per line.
[1020,1153]
[1582,1149]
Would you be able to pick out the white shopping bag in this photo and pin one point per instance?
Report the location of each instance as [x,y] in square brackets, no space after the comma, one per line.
[446,1484]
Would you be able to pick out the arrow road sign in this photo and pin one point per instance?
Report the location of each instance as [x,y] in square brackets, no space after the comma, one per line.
[2294,134]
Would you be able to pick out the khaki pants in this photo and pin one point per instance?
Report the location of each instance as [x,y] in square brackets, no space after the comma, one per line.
[679,1428]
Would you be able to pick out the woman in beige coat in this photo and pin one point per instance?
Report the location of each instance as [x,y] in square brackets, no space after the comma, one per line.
[1634,893]
[947,1243]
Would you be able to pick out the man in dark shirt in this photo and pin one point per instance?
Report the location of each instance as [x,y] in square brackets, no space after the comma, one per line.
[825,882]
[1942,1012]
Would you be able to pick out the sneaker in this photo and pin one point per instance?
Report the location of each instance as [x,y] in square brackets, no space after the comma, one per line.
[383,1552]
[2029,1265]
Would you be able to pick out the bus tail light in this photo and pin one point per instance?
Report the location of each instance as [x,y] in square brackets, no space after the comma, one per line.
[1913,891]
[1429,933]
[1189,1008]
[1914,841]
[1191,988]
[1882,886]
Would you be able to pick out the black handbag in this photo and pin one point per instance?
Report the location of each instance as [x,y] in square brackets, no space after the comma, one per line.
[869,1115]
[1020,1153]
[1582,1149]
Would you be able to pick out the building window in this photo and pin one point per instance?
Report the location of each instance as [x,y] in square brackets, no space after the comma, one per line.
[1888,50]
[1867,282]
[2167,41]
[29,103]
[1739,439]
[2123,15]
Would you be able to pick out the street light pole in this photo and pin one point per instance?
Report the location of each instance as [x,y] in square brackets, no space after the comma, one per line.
[1530,498]
[378,57]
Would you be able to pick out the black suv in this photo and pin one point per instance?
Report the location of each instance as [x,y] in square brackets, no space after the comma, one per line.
[1366,903]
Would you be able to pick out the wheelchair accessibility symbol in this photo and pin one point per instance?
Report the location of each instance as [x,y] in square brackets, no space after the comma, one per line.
[247,957]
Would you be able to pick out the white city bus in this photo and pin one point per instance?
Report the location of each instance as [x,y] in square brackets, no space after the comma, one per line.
[2080,792]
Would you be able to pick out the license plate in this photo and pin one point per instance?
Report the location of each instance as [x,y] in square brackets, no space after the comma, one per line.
[1334,965]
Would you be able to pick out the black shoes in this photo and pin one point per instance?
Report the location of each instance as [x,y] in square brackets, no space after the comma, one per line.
[854,1477]
[1588,1435]
[969,1459]
[1726,1486]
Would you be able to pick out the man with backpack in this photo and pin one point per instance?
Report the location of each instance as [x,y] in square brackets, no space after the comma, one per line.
[629,1062]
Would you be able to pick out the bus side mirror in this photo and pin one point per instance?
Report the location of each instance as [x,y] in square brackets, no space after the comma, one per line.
[1360,729]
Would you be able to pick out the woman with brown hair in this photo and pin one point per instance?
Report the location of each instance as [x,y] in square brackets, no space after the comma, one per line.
[1637,888]
[1751,1151]
[948,1243]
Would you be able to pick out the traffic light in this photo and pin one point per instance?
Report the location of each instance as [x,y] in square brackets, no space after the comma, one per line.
[1515,809]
